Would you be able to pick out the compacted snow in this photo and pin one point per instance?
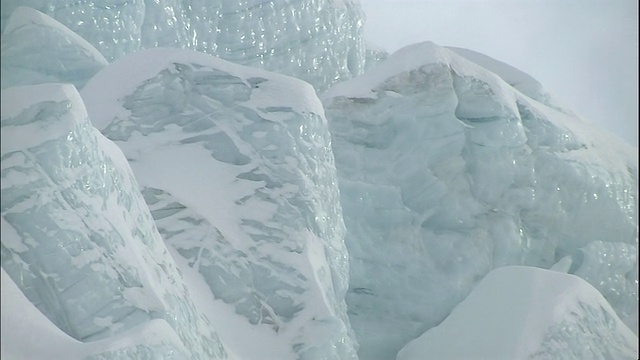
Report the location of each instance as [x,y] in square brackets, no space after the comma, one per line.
[174,205]
[519,312]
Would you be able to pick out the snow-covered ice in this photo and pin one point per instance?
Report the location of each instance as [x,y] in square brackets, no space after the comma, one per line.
[237,168]
[78,238]
[198,208]
[319,41]
[62,55]
[447,171]
[519,312]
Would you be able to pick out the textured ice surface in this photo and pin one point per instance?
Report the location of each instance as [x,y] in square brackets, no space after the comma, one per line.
[519,80]
[447,172]
[374,55]
[78,238]
[237,167]
[37,49]
[449,167]
[28,334]
[22,322]
[319,41]
[519,312]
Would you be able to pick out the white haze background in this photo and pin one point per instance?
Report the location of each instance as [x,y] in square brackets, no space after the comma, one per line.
[583,51]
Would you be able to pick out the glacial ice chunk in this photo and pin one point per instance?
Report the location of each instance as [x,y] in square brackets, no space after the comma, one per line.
[319,41]
[77,236]
[520,80]
[24,323]
[374,55]
[237,168]
[519,312]
[37,49]
[446,172]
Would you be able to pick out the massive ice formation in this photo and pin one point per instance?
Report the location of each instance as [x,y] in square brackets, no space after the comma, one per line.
[237,167]
[446,171]
[519,312]
[78,238]
[319,41]
[37,49]
[450,164]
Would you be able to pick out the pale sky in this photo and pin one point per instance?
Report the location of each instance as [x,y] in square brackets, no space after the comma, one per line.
[585,52]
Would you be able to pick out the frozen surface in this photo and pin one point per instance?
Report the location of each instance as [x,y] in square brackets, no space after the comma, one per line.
[28,334]
[23,323]
[450,164]
[519,312]
[236,166]
[78,239]
[37,49]
[319,41]
[519,80]
[446,172]
[374,55]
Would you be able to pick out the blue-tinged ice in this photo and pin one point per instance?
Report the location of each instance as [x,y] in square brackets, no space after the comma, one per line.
[78,238]
[446,172]
[37,49]
[319,41]
[237,168]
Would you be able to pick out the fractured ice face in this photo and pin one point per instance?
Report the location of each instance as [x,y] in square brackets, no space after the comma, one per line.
[519,80]
[319,41]
[237,168]
[37,49]
[374,55]
[446,172]
[78,238]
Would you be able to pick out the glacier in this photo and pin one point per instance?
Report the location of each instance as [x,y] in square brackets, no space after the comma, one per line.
[237,167]
[159,201]
[463,180]
[107,269]
[319,41]
[71,59]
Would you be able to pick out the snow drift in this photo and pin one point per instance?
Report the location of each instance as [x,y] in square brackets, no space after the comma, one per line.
[519,312]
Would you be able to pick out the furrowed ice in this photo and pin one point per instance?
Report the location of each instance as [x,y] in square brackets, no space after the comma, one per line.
[159,202]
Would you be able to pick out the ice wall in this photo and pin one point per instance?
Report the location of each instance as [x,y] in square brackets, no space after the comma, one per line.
[237,167]
[446,172]
[319,41]
[78,238]
[37,49]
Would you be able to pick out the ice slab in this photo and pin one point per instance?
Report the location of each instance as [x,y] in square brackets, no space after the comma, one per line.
[23,323]
[237,168]
[78,238]
[519,312]
[37,49]
[446,172]
[319,41]
[520,80]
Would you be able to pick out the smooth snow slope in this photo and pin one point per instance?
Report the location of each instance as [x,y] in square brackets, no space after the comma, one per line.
[446,172]
[519,312]
[236,166]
